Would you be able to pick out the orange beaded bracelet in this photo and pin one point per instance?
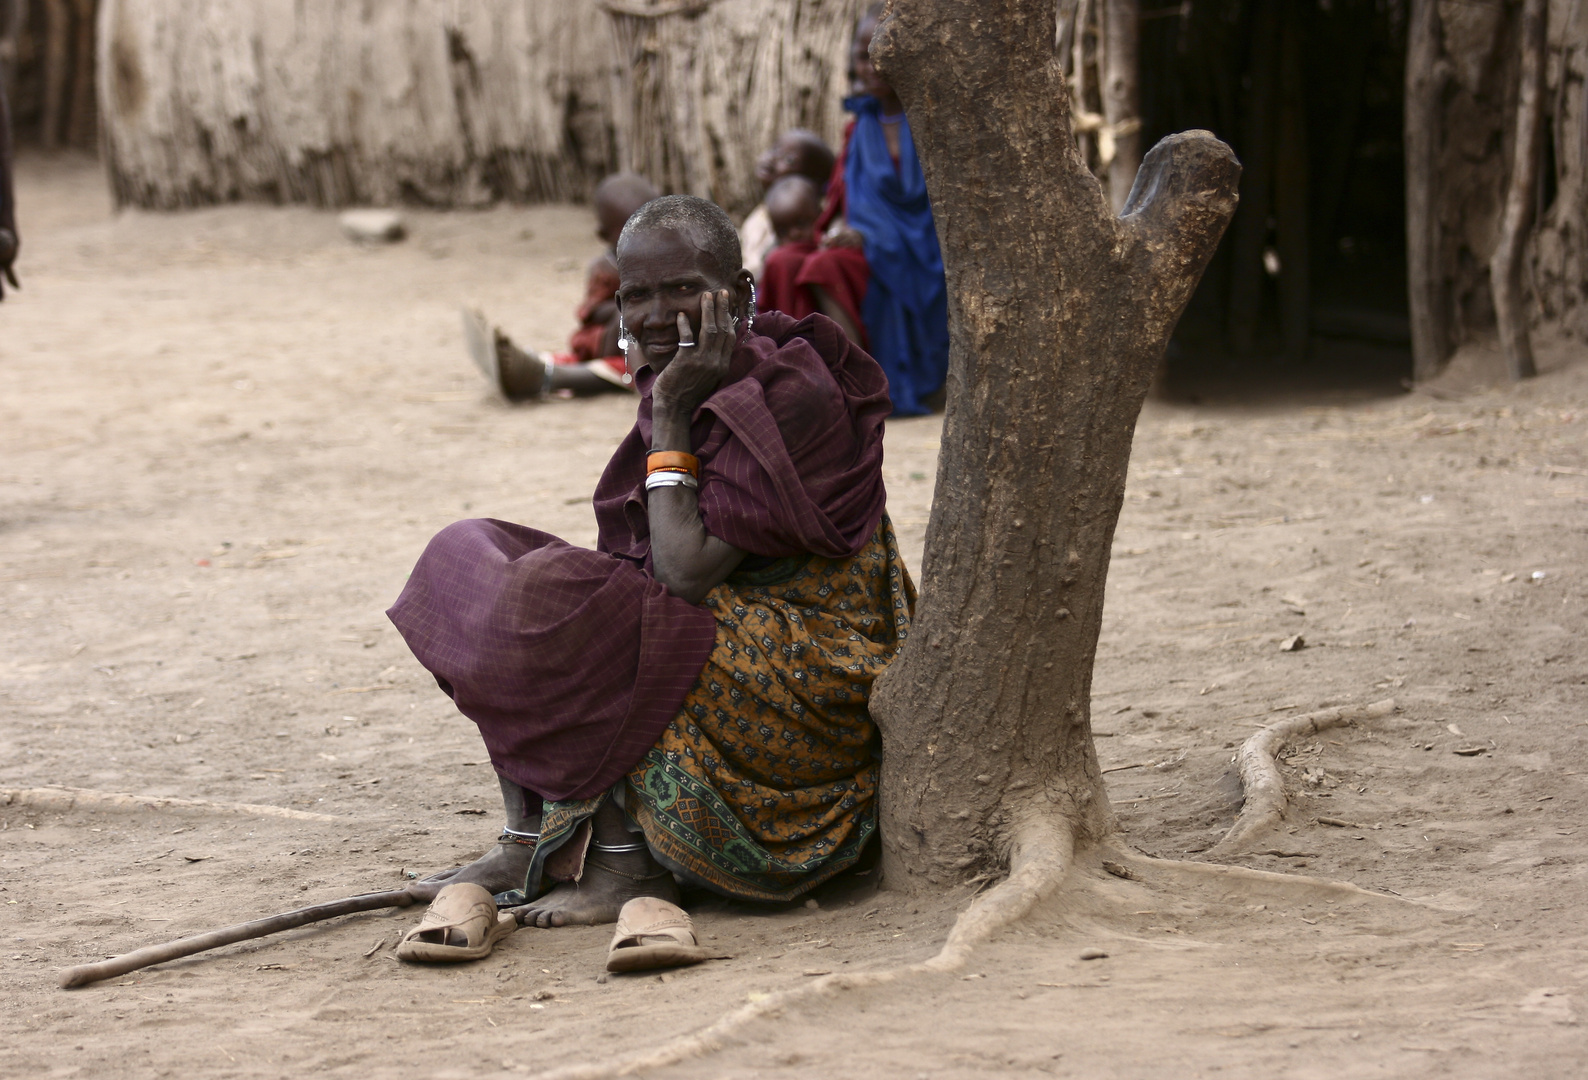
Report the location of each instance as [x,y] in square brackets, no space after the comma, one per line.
[672,461]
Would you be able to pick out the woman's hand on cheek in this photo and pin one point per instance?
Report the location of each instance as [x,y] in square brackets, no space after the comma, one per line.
[697,370]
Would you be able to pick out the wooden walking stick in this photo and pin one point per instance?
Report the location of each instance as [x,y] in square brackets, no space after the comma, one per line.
[84,974]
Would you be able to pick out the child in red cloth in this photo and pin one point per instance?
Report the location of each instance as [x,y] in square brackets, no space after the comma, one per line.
[593,363]
[793,204]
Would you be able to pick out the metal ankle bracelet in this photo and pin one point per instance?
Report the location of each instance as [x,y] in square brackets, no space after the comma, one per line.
[618,849]
[514,836]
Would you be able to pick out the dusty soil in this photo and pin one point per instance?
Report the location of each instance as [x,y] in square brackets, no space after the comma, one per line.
[226,437]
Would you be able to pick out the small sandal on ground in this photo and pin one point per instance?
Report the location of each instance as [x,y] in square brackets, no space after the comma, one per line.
[652,934]
[462,924]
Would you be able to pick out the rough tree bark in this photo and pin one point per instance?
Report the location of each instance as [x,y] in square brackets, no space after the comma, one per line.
[1425,82]
[1505,268]
[1059,313]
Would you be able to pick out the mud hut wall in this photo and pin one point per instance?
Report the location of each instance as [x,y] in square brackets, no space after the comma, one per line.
[703,90]
[1558,261]
[340,101]
[1480,46]
[456,104]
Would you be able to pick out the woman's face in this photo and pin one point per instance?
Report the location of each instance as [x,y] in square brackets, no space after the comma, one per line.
[867,79]
[661,273]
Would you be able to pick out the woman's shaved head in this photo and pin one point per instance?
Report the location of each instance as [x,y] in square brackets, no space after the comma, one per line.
[703,222]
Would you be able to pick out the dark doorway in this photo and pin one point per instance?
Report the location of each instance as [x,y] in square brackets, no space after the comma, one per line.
[1309,285]
[47,62]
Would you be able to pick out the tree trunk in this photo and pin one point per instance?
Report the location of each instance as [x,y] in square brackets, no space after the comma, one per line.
[1505,268]
[343,101]
[1426,288]
[1122,95]
[1059,312]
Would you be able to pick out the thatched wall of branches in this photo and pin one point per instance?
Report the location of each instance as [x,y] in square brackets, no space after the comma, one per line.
[1473,79]
[707,86]
[1558,261]
[456,104]
[341,101]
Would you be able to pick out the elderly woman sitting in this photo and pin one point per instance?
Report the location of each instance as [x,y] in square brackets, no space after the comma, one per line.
[687,702]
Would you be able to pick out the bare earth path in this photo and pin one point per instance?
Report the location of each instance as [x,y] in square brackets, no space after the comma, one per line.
[225,437]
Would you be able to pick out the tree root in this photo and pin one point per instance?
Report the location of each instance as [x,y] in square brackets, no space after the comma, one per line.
[1259,769]
[65,798]
[1290,883]
[1041,854]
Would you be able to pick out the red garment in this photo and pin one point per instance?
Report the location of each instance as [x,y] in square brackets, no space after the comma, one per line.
[843,273]
[601,286]
[836,189]
[572,661]
[777,289]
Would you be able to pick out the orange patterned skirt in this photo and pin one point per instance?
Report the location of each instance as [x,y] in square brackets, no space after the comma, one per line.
[764,785]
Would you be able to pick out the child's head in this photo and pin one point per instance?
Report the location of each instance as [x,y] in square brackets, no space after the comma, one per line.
[794,203]
[616,199]
[798,152]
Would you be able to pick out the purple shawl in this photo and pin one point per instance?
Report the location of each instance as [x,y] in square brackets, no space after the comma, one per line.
[572,661]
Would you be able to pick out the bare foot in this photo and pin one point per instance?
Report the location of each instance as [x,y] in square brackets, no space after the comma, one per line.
[601,892]
[498,870]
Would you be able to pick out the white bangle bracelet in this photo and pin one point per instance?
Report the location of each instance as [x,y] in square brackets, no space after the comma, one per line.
[670,479]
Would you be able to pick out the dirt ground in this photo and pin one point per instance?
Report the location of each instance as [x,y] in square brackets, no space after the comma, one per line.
[225,437]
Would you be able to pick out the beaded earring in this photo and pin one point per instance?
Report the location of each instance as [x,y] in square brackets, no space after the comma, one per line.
[624,341]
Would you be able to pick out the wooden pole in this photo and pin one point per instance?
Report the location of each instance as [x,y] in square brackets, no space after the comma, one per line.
[57,66]
[1257,180]
[1516,220]
[1083,24]
[1122,95]
[1425,278]
[80,125]
[84,974]
[1291,198]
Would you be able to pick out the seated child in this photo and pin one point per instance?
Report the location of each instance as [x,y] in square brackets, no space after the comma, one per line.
[793,204]
[796,152]
[593,363]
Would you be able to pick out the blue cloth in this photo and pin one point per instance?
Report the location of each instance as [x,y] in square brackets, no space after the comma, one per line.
[906,305]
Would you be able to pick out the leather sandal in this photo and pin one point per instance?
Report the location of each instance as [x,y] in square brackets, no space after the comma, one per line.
[652,934]
[462,924]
